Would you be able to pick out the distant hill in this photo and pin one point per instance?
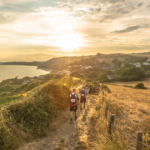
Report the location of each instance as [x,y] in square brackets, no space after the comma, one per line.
[35,63]
[59,63]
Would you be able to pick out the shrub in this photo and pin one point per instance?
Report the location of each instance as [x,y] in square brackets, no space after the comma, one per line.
[92,74]
[58,76]
[103,77]
[32,85]
[140,86]
[74,73]
[48,76]
[106,88]
[88,80]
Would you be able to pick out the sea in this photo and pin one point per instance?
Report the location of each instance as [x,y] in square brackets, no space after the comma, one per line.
[12,71]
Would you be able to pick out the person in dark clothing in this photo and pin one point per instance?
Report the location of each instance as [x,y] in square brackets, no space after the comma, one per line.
[73,98]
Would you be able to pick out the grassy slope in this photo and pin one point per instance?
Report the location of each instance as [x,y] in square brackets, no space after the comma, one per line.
[58,63]
[10,92]
[146,54]
[132,114]
[30,117]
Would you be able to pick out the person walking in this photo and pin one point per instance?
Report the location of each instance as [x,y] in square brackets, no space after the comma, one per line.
[73,98]
[83,94]
[98,88]
[87,87]
[103,91]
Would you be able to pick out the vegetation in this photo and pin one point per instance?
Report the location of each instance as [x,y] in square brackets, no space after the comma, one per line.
[58,63]
[140,86]
[127,105]
[132,74]
[92,74]
[24,119]
[103,77]
[76,74]
[27,110]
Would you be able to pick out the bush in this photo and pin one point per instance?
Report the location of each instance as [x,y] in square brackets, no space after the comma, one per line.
[74,73]
[88,80]
[32,85]
[103,77]
[59,76]
[106,88]
[140,86]
[48,76]
[92,74]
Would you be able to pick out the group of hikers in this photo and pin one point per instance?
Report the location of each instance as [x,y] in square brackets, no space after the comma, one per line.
[74,98]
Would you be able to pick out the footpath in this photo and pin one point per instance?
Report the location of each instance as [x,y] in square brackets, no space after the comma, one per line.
[68,136]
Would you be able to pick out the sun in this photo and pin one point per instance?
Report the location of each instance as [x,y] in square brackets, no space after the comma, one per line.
[70,41]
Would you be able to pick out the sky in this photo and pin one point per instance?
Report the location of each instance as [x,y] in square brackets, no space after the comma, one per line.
[38,30]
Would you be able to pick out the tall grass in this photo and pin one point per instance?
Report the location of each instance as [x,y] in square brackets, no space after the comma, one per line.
[130,107]
[31,118]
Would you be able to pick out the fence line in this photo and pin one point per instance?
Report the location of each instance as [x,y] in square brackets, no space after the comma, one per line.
[139,142]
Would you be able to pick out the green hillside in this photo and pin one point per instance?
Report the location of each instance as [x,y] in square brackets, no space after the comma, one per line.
[59,63]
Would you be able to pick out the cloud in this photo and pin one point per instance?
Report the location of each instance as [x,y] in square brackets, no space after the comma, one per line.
[140,4]
[114,13]
[148,6]
[5,19]
[128,29]
[34,26]
[6,2]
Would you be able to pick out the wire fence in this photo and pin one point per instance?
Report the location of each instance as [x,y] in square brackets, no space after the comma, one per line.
[113,126]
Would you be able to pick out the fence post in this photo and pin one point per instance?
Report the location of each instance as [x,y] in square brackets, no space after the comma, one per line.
[103,98]
[112,119]
[139,141]
[106,112]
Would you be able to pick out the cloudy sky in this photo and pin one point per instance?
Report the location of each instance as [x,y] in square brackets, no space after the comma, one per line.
[41,29]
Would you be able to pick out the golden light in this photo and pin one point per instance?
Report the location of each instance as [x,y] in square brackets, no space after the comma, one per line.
[69,41]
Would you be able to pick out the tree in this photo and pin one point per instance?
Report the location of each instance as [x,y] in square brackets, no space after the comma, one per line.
[118,63]
[103,77]
[87,61]
[133,71]
[114,61]
[92,75]
[128,65]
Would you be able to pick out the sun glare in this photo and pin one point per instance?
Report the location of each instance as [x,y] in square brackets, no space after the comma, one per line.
[69,41]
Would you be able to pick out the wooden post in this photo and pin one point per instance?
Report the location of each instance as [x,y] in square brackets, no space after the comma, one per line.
[112,119]
[139,141]
[106,112]
[103,98]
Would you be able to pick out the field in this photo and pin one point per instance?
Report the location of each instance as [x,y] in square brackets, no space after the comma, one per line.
[132,114]
[20,121]
[142,54]
[109,59]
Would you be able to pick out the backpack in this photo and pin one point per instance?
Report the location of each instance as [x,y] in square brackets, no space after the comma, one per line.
[73,99]
[87,85]
[82,94]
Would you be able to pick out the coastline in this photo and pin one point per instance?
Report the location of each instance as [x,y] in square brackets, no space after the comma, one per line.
[21,77]
[45,69]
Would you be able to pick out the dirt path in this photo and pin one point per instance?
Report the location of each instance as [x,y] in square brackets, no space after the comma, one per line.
[69,136]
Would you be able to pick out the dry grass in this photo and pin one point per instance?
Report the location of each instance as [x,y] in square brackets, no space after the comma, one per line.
[132,114]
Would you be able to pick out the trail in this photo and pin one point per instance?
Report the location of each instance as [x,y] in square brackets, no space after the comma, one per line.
[68,136]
